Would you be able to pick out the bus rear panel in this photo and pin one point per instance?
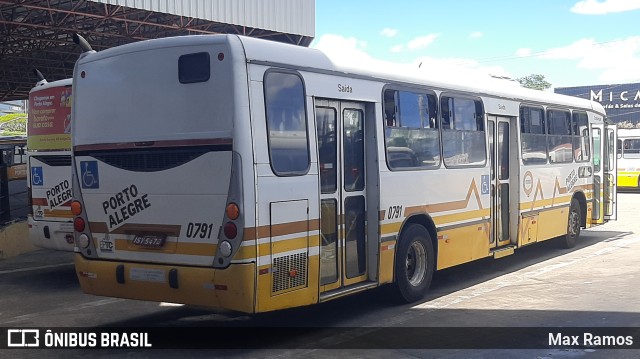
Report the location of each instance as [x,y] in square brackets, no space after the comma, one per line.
[49,162]
[158,171]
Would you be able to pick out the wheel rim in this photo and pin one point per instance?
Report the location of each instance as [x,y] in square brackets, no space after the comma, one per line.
[416,263]
[573,223]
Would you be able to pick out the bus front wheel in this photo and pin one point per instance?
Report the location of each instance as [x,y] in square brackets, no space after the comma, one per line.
[414,264]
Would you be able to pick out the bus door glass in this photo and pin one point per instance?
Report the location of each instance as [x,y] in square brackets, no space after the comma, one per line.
[341,159]
[499,146]
[598,170]
[610,172]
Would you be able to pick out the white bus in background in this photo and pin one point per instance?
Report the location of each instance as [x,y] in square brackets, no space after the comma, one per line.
[251,175]
[49,165]
[629,158]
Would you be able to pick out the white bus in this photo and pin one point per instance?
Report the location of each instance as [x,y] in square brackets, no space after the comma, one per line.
[629,158]
[49,165]
[239,173]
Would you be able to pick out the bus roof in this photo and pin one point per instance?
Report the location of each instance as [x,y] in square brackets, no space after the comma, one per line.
[281,54]
[64,82]
[628,132]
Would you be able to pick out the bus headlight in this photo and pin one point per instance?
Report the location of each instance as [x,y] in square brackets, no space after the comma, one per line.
[225,248]
[83,240]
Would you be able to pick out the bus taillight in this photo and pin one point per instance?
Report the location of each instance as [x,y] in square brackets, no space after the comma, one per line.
[83,240]
[78,224]
[76,208]
[230,230]
[232,211]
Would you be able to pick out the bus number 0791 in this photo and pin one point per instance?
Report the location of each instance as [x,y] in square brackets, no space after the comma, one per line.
[394,212]
[202,230]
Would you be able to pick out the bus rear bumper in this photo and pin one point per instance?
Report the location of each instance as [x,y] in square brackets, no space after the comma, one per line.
[51,235]
[231,288]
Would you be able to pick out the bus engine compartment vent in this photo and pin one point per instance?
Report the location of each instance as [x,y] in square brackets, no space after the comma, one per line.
[289,272]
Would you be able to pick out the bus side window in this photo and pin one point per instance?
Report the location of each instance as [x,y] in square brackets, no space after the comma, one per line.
[580,133]
[534,139]
[631,148]
[390,108]
[559,136]
[286,123]
[411,135]
[619,148]
[463,134]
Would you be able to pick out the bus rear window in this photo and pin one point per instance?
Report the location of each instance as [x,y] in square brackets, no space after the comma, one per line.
[194,68]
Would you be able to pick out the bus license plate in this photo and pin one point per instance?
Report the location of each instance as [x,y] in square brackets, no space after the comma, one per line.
[149,240]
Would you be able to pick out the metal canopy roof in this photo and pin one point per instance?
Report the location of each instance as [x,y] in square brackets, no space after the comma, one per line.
[38,33]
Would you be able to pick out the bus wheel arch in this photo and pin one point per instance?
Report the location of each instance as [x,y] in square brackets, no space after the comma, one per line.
[582,200]
[415,259]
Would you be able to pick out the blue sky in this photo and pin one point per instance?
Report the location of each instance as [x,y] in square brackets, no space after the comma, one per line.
[570,42]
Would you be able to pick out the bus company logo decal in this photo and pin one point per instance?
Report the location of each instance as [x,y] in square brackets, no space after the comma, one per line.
[125,205]
[527,183]
[89,174]
[571,180]
[59,194]
[106,244]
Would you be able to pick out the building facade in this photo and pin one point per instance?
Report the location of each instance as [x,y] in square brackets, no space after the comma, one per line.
[621,101]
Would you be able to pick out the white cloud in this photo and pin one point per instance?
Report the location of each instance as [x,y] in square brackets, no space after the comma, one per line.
[475,35]
[348,52]
[342,48]
[524,52]
[459,67]
[618,60]
[595,7]
[387,32]
[397,48]
[422,41]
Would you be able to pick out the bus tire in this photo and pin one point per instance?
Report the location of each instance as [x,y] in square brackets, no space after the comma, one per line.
[414,264]
[573,225]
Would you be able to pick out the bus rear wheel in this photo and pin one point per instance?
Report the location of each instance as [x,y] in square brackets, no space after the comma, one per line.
[414,264]
[573,225]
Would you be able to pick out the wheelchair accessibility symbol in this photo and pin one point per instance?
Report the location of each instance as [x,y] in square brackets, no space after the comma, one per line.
[89,174]
[36,176]
[485,184]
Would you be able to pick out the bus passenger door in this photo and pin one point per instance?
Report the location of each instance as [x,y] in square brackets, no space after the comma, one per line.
[610,172]
[341,158]
[605,172]
[499,135]
[598,171]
